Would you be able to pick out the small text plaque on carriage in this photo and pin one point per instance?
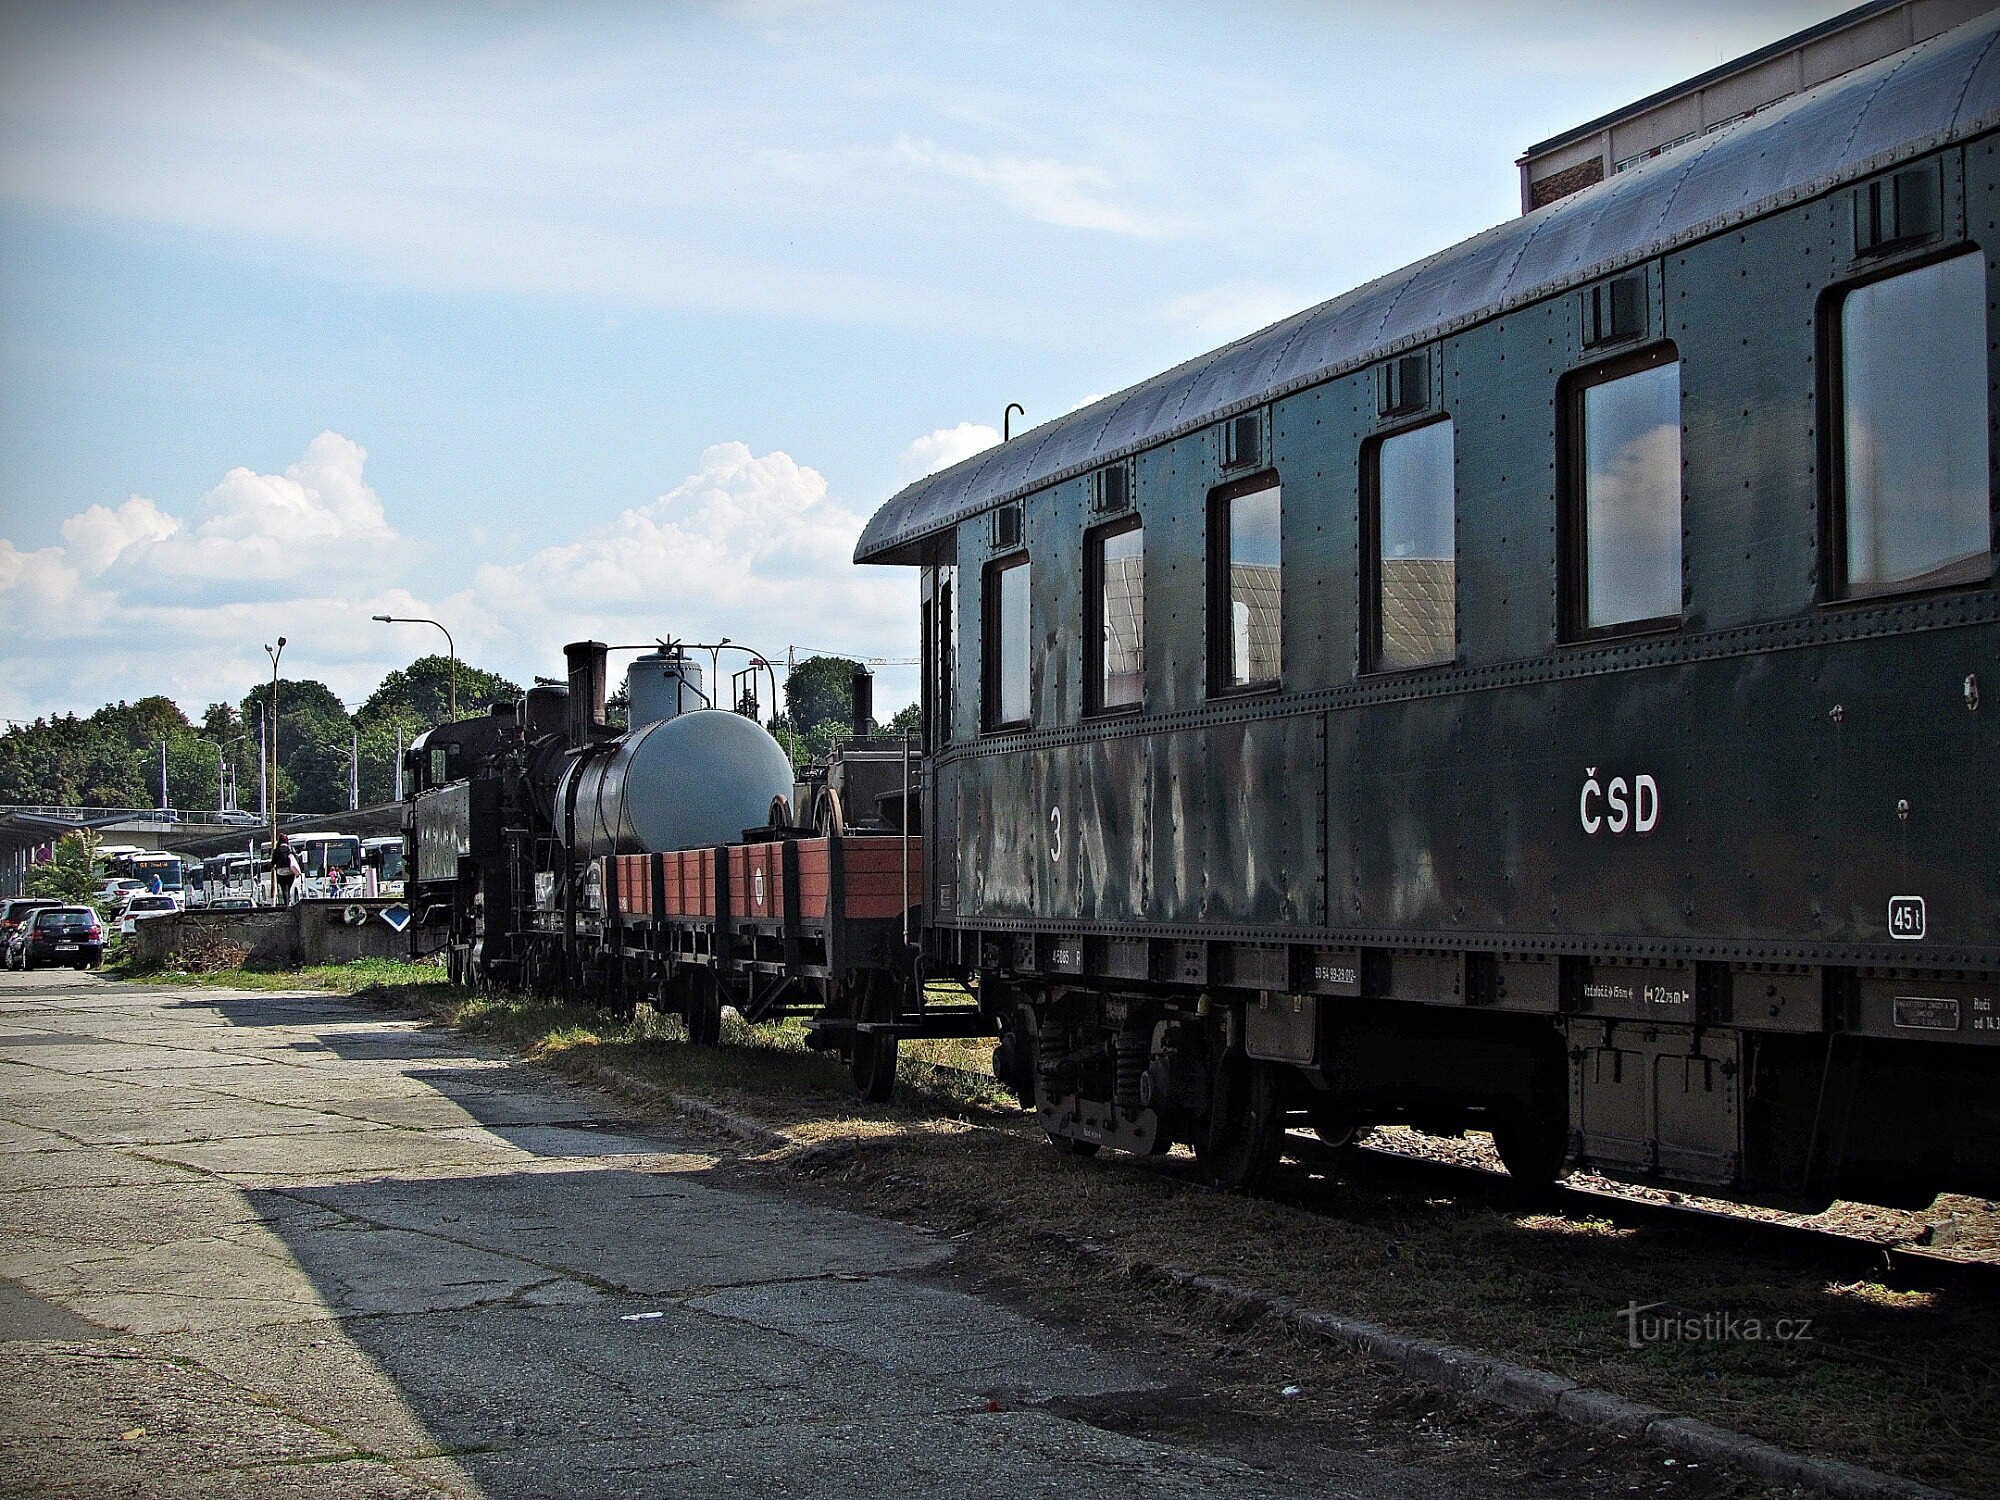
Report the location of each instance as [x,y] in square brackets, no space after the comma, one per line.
[1331,971]
[1906,918]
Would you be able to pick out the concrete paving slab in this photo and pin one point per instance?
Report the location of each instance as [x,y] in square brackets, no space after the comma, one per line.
[358,1479]
[345,1148]
[1014,1454]
[935,1332]
[640,1231]
[75,1167]
[20,1081]
[145,1214]
[147,1415]
[15,1137]
[24,1316]
[169,1118]
[91,1057]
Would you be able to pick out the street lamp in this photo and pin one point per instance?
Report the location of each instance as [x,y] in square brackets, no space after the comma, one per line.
[274,654]
[448,646]
[222,798]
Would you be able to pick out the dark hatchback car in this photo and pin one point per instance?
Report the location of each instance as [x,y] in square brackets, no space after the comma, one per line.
[13,912]
[58,935]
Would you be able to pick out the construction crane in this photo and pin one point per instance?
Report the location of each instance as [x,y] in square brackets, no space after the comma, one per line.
[792,658]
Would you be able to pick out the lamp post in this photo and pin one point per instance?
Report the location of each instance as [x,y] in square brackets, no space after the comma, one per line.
[274,654]
[448,646]
[222,797]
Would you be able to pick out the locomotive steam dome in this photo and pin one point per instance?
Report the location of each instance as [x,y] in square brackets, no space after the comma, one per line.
[698,778]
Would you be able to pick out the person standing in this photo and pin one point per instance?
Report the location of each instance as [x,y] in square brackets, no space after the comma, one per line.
[285,868]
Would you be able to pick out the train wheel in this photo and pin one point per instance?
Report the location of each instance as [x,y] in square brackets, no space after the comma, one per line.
[544,971]
[704,1008]
[1336,1132]
[1246,1126]
[1532,1147]
[872,1058]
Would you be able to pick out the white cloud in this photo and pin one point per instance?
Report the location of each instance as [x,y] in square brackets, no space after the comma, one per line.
[1053,192]
[945,446]
[139,600]
[749,547]
[97,536]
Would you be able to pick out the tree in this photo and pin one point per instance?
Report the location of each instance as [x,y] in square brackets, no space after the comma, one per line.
[378,753]
[820,688]
[221,721]
[907,720]
[313,744]
[71,875]
[422,692]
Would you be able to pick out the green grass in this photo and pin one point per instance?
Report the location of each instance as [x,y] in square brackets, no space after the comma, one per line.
[387,975]
[767,1071]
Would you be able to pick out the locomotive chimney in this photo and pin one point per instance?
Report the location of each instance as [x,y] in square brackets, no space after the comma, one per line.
[864,701]
[586,690]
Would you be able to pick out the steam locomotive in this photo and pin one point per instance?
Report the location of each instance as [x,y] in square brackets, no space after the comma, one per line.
[663,862]
[1547,690]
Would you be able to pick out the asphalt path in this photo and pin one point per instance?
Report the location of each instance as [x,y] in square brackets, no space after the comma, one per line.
[275,1244]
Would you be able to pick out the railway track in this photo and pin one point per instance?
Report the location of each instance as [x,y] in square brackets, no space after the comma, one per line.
[1859,1257]
[1314,1175]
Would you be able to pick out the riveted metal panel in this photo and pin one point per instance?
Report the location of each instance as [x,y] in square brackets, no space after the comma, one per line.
[1317,438]
[1906,787]
[1501,381]
[1000,841]
[1112,821]
[1259,854]
[1742,310]
[1176,573]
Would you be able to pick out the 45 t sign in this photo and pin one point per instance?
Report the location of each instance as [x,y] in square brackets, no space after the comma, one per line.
[1623,804]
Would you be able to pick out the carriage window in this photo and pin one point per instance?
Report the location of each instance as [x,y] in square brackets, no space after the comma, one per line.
[1245,586]
[1117,641]
[1416,586]
[1624,514]
[1006,634]
[1916,508]
[939,653]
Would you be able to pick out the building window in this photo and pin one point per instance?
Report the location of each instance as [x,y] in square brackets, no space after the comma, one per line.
[1412,518]
[1006,652]
[1623,551]
[1915,508]
[1245,586]
[1116,643]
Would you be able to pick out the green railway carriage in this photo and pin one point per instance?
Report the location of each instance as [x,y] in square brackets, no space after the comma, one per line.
[1548,689]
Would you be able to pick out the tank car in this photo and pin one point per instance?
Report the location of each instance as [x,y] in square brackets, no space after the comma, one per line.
[661,862]
[1548,690]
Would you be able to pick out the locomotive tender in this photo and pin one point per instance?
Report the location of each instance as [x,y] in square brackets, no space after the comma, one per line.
[1540,691]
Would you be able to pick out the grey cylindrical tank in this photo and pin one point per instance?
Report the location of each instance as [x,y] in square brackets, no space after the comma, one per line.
[696,779]
[662,685]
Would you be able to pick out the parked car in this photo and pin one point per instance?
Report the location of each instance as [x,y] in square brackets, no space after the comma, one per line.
[58,935]
[144,905]
[17,909]
[115,891]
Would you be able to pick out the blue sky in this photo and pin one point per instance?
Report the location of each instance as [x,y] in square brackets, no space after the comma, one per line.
[558,321]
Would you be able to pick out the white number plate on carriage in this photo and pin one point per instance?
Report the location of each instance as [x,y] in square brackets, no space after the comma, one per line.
[65,947]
